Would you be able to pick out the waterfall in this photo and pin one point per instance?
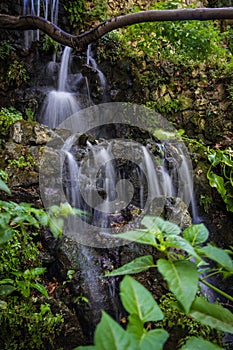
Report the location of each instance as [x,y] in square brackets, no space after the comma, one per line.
[62,79]
[60,104]
[38,8]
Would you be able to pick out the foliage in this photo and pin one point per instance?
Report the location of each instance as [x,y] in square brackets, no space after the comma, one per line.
[182,266]
[186,41]
[29,114]
[28,323]
[221,161]
[26,318]
[142,311]
[5,49]
[220,171]
[81,12]
[8,116]
[49,44]
[26,161]
[17,73]
[174,318]
[142,308]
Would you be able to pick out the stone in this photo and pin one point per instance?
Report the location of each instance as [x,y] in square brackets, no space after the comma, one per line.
[26,133]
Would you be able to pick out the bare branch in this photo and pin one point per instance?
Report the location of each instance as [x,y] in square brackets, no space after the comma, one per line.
[81,41]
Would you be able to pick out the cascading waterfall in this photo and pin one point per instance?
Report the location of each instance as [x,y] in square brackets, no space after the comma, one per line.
[43,8]
[60,104]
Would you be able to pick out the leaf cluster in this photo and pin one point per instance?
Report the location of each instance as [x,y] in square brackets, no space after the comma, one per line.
[26,321]
[8,116]
[182,266]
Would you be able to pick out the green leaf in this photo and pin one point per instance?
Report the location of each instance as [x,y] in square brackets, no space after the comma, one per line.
[6,290]
[110,335]
[218,255]
[201,344]
[215,158]
[6,281]
[25,218]
[40,289]
[182,279]
[136,299]
[196,234]
[24,288]
[156,223]
[140,236]
[154,339]
[226,160]
[6,235]
[217,181]
[4,187]
[56,226]
[181,243]
[135,266]
[135,326]
[37,271]
[213,315]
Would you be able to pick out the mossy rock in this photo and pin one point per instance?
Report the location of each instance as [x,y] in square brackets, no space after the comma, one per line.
[29,133]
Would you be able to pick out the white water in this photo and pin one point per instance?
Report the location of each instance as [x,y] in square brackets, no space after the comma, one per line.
[60,104]
[63,74]
[152,178]
[92,62]
[40,8]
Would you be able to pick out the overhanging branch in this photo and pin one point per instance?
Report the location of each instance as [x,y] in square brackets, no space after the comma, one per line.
[81,41]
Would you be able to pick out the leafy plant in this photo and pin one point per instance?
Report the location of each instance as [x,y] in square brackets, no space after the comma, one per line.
[28,323]
[81,11]
[49,44]
[5,49]
[221,160]
[17,73]
[182,266]
[142,309]
[8,116]
[179,41]
[26,320]
[26,161]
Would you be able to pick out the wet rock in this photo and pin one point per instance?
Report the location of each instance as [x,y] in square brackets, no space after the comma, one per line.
[71,334]
[27,133]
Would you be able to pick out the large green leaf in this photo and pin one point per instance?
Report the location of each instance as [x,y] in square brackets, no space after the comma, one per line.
[200,344]
[181,243]
[213,315]
[217,181]
[109,335]
[135,327]
[135,266]
[4,187]
[154,339]
[182,279]
[219,255]
[139,301]
[6,290]
[196,234]
[140,236]
[159,225]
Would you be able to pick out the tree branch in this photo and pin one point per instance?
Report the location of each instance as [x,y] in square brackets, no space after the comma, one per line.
[81,41]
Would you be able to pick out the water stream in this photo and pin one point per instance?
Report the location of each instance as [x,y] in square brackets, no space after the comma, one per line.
[47,9]
[106,187]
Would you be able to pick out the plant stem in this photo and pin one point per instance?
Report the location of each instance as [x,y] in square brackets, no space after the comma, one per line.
[229,297]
